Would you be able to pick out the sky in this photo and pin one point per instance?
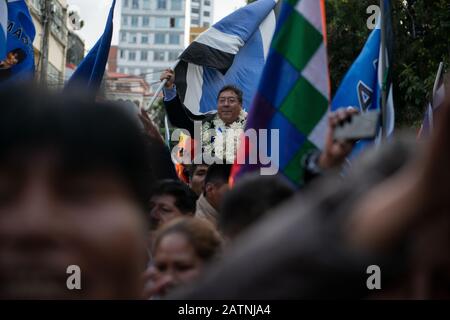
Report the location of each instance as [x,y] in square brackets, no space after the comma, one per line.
[95,12]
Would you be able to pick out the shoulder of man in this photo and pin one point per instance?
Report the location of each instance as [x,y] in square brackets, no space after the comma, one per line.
[209,116]
[203,117]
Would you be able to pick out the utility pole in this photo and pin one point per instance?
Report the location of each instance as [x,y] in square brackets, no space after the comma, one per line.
[46,6]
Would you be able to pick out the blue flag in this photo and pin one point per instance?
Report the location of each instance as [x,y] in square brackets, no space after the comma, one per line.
[19,61]
[362,85]
[89,74]
[233,51]
[3,28]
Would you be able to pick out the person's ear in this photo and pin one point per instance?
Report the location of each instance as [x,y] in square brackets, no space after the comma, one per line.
[209,187]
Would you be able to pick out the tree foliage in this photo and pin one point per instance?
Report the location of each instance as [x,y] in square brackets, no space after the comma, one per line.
[421,31]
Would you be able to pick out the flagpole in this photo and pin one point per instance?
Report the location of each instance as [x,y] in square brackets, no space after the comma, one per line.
[152,102]
[161,86]
[383,71]
[436,82]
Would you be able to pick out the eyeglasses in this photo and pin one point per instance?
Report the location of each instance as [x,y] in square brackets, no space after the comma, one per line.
[231,100]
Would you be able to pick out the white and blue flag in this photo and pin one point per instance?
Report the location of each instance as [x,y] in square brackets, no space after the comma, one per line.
[233,51]
[362,85]
[19,43]
[3,28]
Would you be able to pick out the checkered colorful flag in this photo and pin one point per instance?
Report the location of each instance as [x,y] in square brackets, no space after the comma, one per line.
[3,28]
[293,95]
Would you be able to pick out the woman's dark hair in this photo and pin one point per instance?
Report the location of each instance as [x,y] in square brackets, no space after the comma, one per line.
[185,198]
[205,240]
[86,135]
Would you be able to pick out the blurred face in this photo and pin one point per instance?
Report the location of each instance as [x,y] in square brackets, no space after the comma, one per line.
[163,210]
[176,262]
[12,58]
[198,179]
[229,107]
[51,219]
[215,193]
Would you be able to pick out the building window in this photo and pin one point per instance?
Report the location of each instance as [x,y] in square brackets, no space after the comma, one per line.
[206,24]
[144,55]
[145,21]
[195,10]
[144,39]
[207,3]
[125,20]
[174,38]
[161,5]
[122,54]
[160,38]
[146,4]
[133,38]
[206,13]
[176,5]
[125,3]
[134,21]
[195,22]
[159,56]
[179,23]
[162,22]
[132,56]
[173,55]
[123,36]
[148,75]
[135,4]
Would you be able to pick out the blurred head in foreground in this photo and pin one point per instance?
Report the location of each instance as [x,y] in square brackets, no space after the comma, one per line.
[250,200]
[75,177]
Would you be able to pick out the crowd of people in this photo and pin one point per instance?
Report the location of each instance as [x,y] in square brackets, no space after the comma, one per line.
[92,184]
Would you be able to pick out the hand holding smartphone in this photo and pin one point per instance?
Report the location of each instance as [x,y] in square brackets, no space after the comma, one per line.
[359,126]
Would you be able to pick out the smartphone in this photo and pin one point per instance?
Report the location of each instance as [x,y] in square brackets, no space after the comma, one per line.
[360,126]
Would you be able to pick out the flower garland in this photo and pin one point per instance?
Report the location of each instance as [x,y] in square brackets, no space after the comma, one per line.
[220,140]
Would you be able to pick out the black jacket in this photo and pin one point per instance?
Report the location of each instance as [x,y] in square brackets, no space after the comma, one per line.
[181,117]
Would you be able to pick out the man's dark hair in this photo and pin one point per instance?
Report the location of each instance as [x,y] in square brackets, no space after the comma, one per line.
[250,199]
[235,89]
[218,174]
[21,55]
[185,198]
[87,136]
[192,168]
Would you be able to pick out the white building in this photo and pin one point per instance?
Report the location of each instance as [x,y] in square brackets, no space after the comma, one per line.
[202,12]
[123,87]
[152,36]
